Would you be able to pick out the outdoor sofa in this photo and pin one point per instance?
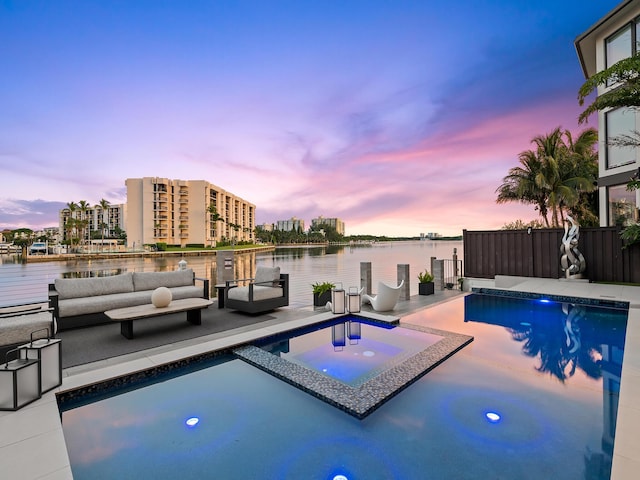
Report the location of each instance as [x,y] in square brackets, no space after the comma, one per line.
[79,302]
[267,291]
[17,325]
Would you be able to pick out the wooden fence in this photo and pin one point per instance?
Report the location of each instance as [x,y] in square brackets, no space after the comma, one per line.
[537,254]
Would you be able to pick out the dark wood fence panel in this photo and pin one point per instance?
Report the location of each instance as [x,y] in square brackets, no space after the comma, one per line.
[537,254]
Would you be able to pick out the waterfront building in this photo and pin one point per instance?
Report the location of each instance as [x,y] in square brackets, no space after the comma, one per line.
[185,212]
[108,222]
[613,38]
[267,227]
[293,224]
[332,222]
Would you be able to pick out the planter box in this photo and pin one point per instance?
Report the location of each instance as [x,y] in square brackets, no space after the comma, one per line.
[426,288]
[320,300]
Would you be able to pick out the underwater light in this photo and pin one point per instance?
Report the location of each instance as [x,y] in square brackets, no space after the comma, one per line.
[192,422]
[493,417]
[544,300]
[340,477]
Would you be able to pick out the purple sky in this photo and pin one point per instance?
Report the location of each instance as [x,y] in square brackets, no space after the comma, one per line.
[399,117]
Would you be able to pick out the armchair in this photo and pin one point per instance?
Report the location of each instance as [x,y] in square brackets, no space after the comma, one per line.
[267,291]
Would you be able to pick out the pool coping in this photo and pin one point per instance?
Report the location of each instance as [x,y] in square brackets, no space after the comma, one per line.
[362,400]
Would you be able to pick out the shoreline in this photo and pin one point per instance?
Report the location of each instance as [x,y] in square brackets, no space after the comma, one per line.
[61,257]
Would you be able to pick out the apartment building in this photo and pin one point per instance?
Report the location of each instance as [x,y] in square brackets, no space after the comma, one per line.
[614,37]
[109,221]
[290,225]
[332,222]
[185,212]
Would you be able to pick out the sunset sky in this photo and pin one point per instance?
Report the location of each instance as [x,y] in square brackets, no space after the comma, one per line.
[397,116]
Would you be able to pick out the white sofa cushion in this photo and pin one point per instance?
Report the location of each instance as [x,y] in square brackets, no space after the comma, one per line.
[17,329]
[89,287]
[259,293]
[101,303]
[267,274]
[153,280]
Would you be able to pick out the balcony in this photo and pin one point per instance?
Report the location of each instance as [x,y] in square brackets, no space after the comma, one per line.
[184,192]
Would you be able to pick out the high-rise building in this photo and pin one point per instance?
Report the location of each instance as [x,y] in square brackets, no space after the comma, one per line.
[289,225]
[185,212]
[332,222]
[83,223]
[613,38]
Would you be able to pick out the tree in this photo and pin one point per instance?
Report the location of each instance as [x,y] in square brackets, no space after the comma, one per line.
[214,217]
[104,206]
[625,74]
[70,224]
[555,176]
[520,184]
[83,206]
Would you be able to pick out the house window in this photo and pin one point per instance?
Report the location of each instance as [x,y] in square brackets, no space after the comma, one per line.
[623,208]
[621,121]
[619,46]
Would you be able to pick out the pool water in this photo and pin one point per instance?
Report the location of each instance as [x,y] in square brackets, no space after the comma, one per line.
[534,396]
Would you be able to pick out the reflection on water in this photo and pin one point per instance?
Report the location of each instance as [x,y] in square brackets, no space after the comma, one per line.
[23,283]
[94,273]
[566,338]
[563,336]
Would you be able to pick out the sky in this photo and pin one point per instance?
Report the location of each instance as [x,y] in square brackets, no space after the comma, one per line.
[399,117]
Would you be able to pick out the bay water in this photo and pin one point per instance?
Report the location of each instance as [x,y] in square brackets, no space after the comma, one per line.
[22,283]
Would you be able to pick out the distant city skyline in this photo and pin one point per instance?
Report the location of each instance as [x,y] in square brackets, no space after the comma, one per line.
[397,117]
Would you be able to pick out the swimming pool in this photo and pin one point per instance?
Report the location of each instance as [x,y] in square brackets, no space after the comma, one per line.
[534,396]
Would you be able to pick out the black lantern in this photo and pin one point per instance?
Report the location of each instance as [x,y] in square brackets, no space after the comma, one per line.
[19,382]
[49,353]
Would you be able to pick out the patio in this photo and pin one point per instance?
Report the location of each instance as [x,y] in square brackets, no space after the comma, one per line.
[37,428]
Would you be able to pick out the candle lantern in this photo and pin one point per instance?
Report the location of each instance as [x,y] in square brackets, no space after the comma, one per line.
[353,300]
[354,332]
[337,337]
[49,353]
[337,299]
[19,382]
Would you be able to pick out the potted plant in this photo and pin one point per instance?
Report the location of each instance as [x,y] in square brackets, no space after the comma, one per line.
[322,293]
[425,285]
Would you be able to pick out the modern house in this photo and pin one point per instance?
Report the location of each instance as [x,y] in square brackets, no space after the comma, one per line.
[185,212]
[614,37]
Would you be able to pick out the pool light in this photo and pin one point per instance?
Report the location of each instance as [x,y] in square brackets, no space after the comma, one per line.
[192,422]
[544,300]
[493,417]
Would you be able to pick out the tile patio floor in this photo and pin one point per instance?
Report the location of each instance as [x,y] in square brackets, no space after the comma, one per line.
[32,444]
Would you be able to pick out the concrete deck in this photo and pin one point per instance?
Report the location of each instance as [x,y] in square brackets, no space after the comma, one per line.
[32,444]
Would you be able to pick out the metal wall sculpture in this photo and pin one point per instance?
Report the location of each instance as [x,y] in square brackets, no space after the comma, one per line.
[571,261]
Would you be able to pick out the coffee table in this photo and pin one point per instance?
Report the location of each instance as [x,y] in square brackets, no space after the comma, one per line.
[126,315]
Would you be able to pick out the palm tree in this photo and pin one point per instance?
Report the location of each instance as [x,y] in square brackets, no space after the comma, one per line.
[557,176]
[520,184]
[70,224]
[104,206]
[582,174]
[214,217]
[83,206]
